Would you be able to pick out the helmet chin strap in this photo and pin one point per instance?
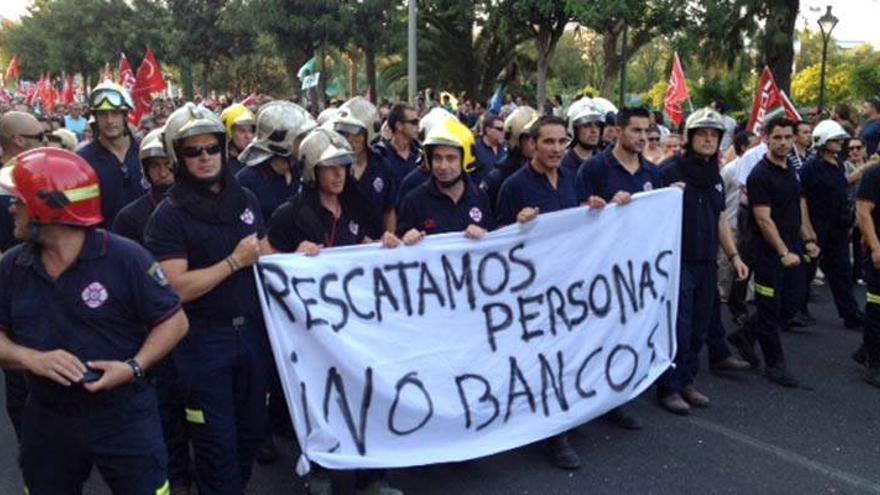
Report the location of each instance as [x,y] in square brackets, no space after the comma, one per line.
[446,184]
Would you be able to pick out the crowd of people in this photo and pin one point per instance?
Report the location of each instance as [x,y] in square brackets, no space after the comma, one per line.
[131,335]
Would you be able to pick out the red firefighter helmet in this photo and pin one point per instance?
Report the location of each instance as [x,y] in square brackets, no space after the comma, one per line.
[55,186]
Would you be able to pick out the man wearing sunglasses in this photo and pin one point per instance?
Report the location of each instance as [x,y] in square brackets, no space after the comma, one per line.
[401,152]
[204,235]
[490,147]
[19,132]
[825,187]
[113,153]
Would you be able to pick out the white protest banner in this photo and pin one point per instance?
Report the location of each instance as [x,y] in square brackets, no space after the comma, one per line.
[454,349]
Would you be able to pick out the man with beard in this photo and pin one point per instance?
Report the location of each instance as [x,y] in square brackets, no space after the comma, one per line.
[240,125]
[84,313]
[204,235]
[113,153]
[703,228]
[586,127]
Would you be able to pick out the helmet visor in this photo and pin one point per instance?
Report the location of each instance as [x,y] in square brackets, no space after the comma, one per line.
[349,129]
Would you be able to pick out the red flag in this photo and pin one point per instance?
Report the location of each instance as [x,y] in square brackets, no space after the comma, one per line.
[68,94]
[46,93]
[126,74]
[149,80]
[30,94]
[676,94]
[769,102]
[12,70]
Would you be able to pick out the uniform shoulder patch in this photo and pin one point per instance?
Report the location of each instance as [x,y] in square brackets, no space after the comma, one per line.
[156,273]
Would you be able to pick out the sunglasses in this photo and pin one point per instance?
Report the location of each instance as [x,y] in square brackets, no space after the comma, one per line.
[36,137]
[654,140]
[856,148]
[196,151]
[411,121]
[499,129]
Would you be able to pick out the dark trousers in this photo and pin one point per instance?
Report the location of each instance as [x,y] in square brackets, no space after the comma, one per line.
[16,397]
[697,294]
[837,267]
[796,289]
[767,321]
[224,375]
[123,440]
[856,239]
[716,339]
[871,338]
[736,300]
[173,416]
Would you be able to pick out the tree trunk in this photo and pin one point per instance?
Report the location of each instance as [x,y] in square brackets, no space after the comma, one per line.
[611,75]
[778,46]
[370,61]
[353,67]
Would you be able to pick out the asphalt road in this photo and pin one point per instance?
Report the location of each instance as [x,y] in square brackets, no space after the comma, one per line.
[755,438]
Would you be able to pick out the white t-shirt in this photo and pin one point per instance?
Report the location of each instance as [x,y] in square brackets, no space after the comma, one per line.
[731,191]
[746,164]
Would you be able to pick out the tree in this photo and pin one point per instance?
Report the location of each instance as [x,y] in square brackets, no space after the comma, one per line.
[372,27]
[642,21]
[777,47]
[546,22]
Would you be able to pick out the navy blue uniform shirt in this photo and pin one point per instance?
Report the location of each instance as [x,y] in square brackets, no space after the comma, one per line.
[487,159]
[491,183]
[427,208]
[131,221]
[121,183]
[778,188]
[701,212]
[399,167]
[412,180]
[378,186]
[173,233]
[572,161]
[869,190]
[603,176]
[826,190]
[270,187]
[871,135]
[528,188]
[101,308]
[304,218]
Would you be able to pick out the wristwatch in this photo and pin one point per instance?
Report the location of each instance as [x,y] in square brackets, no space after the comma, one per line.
[136,367]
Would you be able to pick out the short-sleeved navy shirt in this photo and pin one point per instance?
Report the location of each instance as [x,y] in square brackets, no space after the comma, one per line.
[869,190]
[173,233]
[101,308]
[304,218]
[487,159]
[412,180]
[572,161]
[826,190]
[603,176]
[378,186]
[121,183]
[702,209]
[270,187]
[131,221]
[528,188]
[398,165]
[776,187]
[871,136]
[427,208]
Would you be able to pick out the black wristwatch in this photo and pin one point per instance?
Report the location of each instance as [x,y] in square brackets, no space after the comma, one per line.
[136,367]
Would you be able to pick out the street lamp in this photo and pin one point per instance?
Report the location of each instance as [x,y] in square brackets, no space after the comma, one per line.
[826,25]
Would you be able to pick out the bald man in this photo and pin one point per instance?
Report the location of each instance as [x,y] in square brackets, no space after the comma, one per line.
[19,131]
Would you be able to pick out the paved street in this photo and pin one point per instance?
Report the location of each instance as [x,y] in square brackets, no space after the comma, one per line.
[755,438]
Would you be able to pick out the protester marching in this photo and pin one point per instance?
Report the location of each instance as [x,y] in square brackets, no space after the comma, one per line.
[190,285]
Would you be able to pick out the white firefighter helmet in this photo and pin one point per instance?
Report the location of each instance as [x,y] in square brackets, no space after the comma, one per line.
[704,118]
[582,112]
[323,148]
[828,130]
[518,123]
[190,120]
[152,145]
[280,125]
[357,115]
